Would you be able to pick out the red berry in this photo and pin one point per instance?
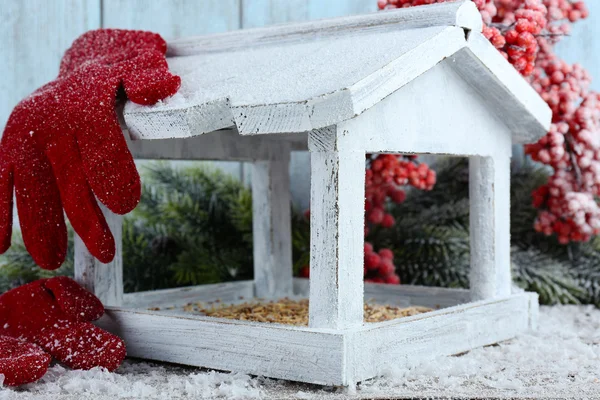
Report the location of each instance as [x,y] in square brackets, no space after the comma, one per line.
[372,261]
[386,253]
[304,272]
[388,221]
[386,267]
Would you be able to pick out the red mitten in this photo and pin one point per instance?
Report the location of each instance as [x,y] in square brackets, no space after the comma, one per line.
[54,314]
[21,362]
[63,146]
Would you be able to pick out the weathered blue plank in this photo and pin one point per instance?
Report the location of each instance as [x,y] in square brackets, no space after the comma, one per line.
[173,19]
[582,46]
[33,37]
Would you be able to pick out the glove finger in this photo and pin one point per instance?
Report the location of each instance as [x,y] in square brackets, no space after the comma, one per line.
[153,83]
[39,208]
[108,164]
[74,300]
[81,345]
[21,362]
[78,200]
[6,205]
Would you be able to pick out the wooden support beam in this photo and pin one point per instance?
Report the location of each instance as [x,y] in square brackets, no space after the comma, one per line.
[271,225]
[336,232]
[489,193]
[104,280]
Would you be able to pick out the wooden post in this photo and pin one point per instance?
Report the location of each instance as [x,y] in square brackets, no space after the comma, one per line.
[104,280]
[271,225]
[489,193]
[336,233]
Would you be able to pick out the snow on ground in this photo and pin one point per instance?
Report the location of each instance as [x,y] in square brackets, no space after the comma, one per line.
[561,360]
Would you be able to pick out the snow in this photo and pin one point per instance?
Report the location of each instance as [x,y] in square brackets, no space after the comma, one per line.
[561,360]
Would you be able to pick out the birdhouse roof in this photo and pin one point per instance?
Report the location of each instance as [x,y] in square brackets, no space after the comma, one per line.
[304,76]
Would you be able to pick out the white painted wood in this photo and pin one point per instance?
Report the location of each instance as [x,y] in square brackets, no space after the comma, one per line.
[225,292]
[104,280]
[402,295]
[271,350]
[330,357]
[255,93]
[503,89]
[256,96]
[489,196]
[176,18]
[462,14]
[271,226]
[443,122]
[405,342]
[224,145]
[336,232]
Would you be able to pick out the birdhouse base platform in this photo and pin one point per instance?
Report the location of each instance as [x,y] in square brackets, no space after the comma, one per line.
[320,356]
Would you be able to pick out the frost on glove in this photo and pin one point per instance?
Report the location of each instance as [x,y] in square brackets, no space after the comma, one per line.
[55,315]
[21,362]
[63,147]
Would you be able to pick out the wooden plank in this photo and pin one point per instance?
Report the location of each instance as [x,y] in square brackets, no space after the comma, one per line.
[489,196]
[255,93]
[336,232]
[173,19]
[34,34]
[402,295]
[104,280]
[339,8]
[413,340]
[581,46]
[462,14]
[272,350]
[229,291]
[271,226]
[225,145]
[502,88]
[402,121]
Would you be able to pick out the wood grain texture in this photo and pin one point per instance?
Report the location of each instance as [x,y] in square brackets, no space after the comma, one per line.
[401,295]
[336,232]
[256,96]
[402,122]
[581,45]
[271,226]
[225,145]
[173,19]
[502,88]
[489,197]
[414,340]
[226,292]
[271,350]
[320,356]
[462,14]
[33,37]
[104,280]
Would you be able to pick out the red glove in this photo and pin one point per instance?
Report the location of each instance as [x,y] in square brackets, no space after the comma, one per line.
[54,314]
[21,362]
[63,146]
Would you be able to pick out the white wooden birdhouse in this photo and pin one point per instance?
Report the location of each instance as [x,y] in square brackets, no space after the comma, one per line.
[416,80]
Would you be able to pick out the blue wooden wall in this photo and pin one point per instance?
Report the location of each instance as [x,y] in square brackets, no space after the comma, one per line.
[35,33]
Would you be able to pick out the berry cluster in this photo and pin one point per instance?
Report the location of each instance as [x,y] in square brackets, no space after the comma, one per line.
[525,32]
[510,25]
[385,176]
[379,266]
